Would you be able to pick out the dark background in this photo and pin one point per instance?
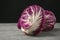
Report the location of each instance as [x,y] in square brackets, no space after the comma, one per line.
[11,9]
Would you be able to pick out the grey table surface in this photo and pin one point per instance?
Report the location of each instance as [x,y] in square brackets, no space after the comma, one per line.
[9,31]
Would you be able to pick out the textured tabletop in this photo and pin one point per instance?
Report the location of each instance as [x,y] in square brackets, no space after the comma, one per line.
[9,31]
